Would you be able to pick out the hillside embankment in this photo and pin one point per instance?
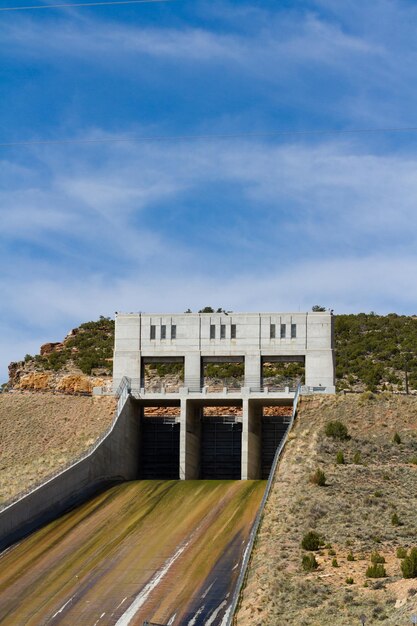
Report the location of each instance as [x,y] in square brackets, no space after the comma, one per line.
[164,551]
[42,432]
[373,352]
[353,514]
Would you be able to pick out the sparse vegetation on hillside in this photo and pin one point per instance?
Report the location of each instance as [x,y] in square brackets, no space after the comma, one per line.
[354,514]
[88,348]
[376,352]
[373,353]
[42,433]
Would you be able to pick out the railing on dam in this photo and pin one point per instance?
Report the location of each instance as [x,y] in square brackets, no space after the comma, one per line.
[215,385]
[248,551]
[123,392]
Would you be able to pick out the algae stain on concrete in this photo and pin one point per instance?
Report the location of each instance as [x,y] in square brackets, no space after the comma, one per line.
[94,562]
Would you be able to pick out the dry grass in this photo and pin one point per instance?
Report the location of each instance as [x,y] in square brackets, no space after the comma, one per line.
[352,513]
[40,432]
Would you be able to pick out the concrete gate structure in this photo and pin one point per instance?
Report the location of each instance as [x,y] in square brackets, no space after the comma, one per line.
[198,338]
[192,339]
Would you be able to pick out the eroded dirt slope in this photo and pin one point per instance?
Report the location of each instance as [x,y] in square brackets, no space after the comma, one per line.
[40,432]
[353,513]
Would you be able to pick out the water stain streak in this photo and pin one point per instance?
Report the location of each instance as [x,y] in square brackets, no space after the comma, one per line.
[163,551]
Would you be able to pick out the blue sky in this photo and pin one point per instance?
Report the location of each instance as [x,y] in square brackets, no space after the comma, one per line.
[252,223]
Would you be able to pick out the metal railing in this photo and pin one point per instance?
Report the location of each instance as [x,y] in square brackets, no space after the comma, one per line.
[213,385]
[160,386]
[123,391]
[254,531]
[308,390]
[279,383]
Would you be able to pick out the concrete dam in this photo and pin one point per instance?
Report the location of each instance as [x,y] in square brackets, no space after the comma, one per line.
[157,521]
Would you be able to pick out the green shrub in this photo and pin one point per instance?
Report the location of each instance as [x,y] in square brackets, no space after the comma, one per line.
[413,460]
[332,552]
[336,430]
[357,458]
[367,395]
[335,563]
[349,580]
[377,558]
[318,478]
[377,570]
[395,520]
[311,541]
[340,459]
[409,564]
[309,563]
[378,494]
[350,557]
[401,552]
[396,439]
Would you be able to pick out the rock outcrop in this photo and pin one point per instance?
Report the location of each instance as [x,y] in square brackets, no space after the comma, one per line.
[73,366]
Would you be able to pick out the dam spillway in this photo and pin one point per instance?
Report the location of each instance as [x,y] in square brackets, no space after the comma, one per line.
[164,551]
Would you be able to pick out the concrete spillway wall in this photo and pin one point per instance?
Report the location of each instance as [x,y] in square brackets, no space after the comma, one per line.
[201,448]
[172,552]
[113,460]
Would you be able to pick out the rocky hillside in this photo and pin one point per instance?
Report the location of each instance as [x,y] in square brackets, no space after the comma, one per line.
[83,360]
[364,512]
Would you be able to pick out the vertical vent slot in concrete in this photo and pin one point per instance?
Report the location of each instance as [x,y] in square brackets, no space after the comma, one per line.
[160,448]
[221,448]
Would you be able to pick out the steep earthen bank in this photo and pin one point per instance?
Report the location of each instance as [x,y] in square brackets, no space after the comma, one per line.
[352,513]
[42,432]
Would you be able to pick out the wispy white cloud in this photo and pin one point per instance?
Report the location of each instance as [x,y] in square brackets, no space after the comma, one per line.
[330,193]
[244,224]
[51,307]
[295,39]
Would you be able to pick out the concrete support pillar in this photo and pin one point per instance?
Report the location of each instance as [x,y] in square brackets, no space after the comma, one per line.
[192,371]
[320,354]
[128,364]
[183,436]
[253,370]
[251,440]
[320,369]
[190,440]
[127,354]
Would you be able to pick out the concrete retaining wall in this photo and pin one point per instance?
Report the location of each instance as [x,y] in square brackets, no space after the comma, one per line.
[115,459]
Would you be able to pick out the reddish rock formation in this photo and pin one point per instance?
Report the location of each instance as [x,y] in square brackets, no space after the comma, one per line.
[47,348]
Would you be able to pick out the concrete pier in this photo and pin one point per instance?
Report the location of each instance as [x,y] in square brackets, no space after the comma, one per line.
[245,417]
[248,342]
